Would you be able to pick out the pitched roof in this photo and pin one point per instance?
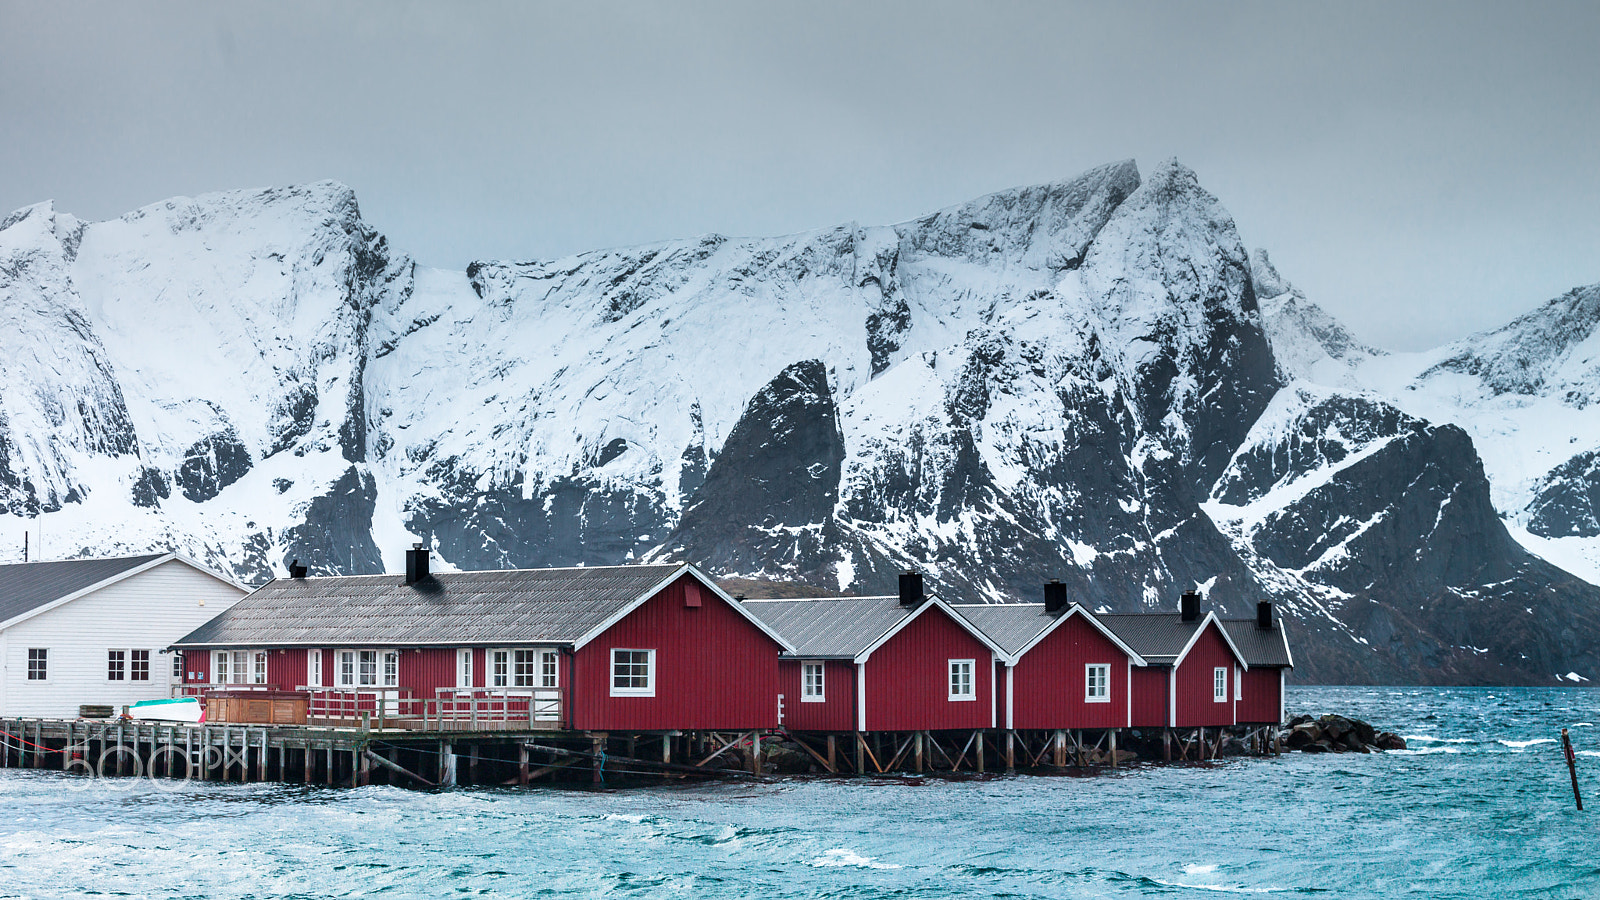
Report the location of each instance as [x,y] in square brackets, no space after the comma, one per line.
[1260,647]
[830,627]
[1158,637]
[518,606]
[25,587]
[1011,625]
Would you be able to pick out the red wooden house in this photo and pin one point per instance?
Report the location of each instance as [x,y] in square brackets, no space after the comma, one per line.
[904,663]
[1062,669]
[618,648]
[1258,689]
[1192,667]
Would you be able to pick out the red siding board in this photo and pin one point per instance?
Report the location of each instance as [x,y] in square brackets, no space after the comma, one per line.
[1260,703]
[426,670]
[1050,681]
[1196,703]
[908,678]
[835,713]
[714,669]
[1150,696]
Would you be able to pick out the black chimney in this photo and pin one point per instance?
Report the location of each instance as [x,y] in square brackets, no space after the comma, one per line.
[1055,596]
[416,564]
[1189,606]
[296,570]
[910,589]
[1264,615]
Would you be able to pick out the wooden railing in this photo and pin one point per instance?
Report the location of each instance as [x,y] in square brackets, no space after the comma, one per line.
[451,709]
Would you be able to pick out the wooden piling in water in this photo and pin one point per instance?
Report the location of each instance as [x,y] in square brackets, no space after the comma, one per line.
[1572,767]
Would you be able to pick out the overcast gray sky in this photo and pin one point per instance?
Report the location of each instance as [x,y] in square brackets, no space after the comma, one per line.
[1422,170]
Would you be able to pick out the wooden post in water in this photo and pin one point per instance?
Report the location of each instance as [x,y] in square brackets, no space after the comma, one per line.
[1572,767]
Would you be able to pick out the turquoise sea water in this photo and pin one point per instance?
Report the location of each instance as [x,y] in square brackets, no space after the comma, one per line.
[1480,807]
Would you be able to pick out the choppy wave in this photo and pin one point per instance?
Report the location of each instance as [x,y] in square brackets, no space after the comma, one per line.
[1460,814]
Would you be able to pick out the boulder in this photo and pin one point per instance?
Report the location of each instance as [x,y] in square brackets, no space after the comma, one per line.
[1301,735]
[1336,727]
[1388,740]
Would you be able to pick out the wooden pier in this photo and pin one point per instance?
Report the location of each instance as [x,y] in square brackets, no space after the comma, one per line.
[358,755]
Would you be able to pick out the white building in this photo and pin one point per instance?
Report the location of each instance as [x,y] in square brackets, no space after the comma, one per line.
[95,631]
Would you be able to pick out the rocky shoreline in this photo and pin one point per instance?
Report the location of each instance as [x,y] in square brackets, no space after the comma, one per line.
[1336,734]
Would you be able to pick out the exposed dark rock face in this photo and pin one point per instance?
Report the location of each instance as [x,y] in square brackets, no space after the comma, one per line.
[212,464]
[337,535]
[1567,499]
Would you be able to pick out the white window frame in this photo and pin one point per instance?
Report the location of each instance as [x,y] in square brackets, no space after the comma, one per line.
[649,688]
[314,668]
[1097,683]
[548,674]
[43,667]
[1219,684]
[499,674]
[524,667]
[353,666]
[1238,685]
[116,665]
[464,667]
[177,666]
[239,667]
[813,690]
[134,663]
[962,673]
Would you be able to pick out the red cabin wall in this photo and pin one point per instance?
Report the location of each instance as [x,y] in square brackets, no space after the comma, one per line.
[1150,686]
[426,670]
[1196,706]
[1048,683]
[908,678]
[714,669]
[286,668]
[837,711]
[1262,693]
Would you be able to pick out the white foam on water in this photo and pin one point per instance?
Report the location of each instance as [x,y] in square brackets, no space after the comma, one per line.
[1220,888]
[1518,745]
[843,856]
[1587,752]
[1424,751]
[1410,738]
[1197,869]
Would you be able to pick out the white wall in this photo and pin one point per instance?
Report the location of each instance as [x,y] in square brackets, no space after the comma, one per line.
[146,611]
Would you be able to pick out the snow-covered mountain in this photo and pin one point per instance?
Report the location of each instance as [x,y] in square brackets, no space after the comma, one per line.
[1071,380]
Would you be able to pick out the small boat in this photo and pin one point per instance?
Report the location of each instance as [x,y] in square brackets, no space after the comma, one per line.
[180,709]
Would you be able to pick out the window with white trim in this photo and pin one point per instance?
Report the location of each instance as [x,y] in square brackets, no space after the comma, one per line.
[1238,685]
[314,668]
[500,668]
[239,667]
[369,668]
[116,665]
[812,685]
[633,673]
[961,687]
[549,669]
[522,666]
[38,663]
[464,667]
[1219,684]
[1097,683]
[177,666]
[138,665]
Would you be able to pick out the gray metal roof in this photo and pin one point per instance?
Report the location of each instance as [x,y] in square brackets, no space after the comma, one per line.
[1011,625]
[1158,637]
[837,628]
[519,606]
[1268,648]
[25,587]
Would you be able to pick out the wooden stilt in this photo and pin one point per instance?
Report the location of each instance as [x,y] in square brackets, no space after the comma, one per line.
[261,761]
[832,754]
[861,752]
[1061,749]
[918,738]
[327,761]
[1113,748]
[598,743]
[1011,751]
[980,752]
[755,753]
[522,764]
[447,764]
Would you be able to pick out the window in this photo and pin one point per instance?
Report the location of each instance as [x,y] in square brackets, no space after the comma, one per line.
[549,669]
[1097,683]
[633,673]
[38,663]
[811,683]
[239,667]
[464,668]
[369,668]
[1238,685]
[961,680]
[314,668]
[138,665]
[116,665]
[1219,684]
[500,668]
[522,663]
[177,666]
